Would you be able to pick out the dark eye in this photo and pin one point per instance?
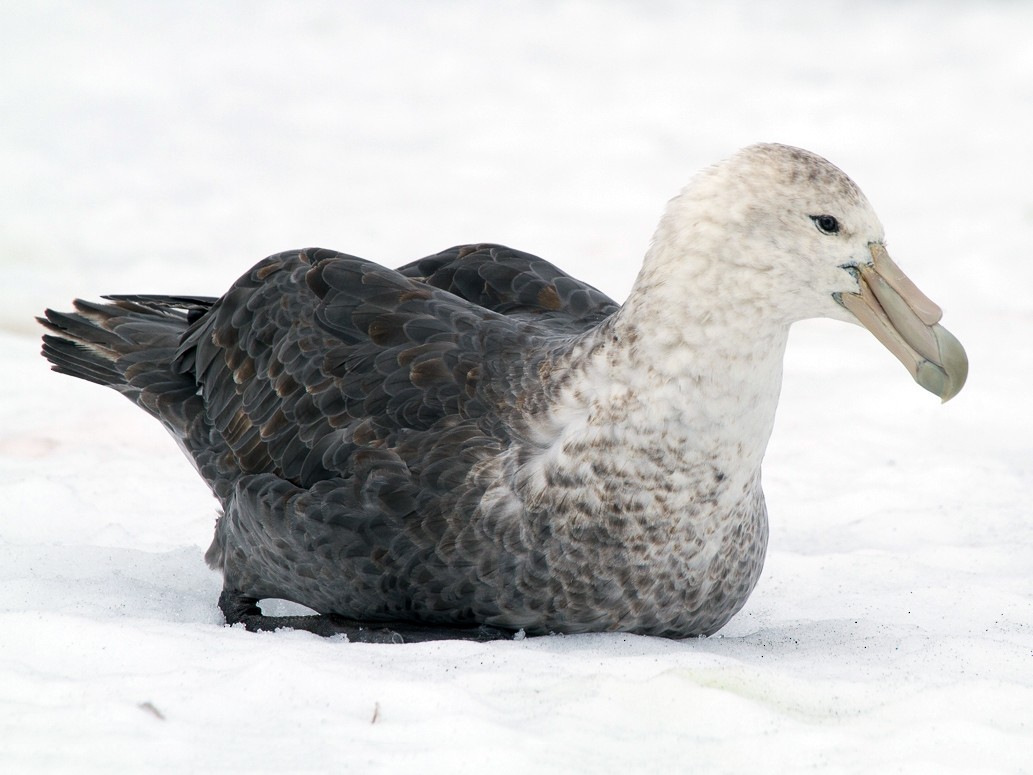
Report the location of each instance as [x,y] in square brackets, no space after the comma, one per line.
[826,224]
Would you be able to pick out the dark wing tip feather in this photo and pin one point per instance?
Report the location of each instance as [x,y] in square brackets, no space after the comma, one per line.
[511,282]
[194,306]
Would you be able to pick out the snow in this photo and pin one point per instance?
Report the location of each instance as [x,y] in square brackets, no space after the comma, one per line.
[167,147]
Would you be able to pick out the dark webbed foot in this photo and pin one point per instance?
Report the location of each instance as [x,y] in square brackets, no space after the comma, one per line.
[240,609]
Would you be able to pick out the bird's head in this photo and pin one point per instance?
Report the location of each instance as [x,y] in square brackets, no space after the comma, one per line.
[791,230]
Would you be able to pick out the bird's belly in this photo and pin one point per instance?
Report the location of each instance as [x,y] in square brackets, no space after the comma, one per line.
[673,575]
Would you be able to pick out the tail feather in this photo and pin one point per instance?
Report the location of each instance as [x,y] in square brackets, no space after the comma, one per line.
[80,326]
[131,345]
[82,344]
[80,360]
[128,345]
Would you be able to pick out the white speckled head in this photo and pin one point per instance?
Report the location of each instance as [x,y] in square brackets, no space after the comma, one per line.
[777,234]
[751,229]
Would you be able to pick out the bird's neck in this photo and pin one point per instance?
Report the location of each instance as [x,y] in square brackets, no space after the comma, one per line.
[687,374]
[701,346]
[706,383]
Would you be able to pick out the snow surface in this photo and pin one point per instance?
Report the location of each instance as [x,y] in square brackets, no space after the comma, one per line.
[167,147]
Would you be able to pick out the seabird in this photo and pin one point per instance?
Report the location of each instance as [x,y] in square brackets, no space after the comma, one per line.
[478,443]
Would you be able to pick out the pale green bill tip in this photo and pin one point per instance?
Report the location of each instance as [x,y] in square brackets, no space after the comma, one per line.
[953,362]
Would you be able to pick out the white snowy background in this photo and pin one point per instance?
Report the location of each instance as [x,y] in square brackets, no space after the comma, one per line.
[149,147]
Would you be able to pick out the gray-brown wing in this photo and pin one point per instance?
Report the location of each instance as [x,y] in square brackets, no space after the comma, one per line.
[314,358]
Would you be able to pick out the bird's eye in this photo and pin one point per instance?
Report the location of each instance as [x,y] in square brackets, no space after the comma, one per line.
[826,224]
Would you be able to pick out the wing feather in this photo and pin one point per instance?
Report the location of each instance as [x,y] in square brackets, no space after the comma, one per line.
[514,283]
[314,356]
